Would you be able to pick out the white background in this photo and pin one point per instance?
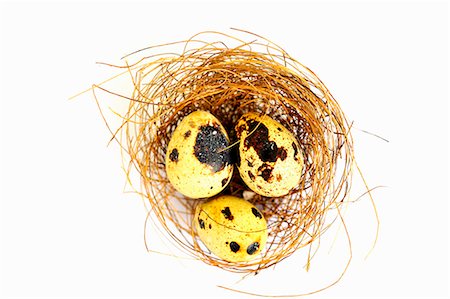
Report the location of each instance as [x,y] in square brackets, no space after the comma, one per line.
[68,230]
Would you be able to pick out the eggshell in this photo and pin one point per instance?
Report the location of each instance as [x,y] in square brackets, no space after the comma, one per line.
[197,162]
[270,159]
[231,227]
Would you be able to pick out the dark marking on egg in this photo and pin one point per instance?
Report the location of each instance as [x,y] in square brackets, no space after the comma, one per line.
[209,226]
[282,153]
[239,130]
[269,152]
[294,146]
[252,248]
[279,177]
[201,223]
[266,172]
[209,147]
[266,149]
[256,213]
[279,129]
[174,155]
[187,134]
[250,174]
[250,164]
[227,213]
[234,246]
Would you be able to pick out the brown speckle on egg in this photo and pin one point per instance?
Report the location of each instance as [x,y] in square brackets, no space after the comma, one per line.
[234,246]
[201,223]
[187,134]
[239,130]
[256,213]
[266,172]
[227,213]
[266,149]
[282,154]
[252,248]
[174,155]
[251,176]
[294,146]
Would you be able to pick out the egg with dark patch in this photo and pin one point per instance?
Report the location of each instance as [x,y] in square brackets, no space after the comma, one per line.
[270,159]
[198,162]
[231,228]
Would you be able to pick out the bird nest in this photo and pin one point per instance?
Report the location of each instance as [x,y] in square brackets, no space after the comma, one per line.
[229,77]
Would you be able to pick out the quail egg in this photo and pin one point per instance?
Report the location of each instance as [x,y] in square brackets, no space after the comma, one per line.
[198,159]
[231,228]
[270,161]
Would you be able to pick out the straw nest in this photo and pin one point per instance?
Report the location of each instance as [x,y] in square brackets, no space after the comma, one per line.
[229,77]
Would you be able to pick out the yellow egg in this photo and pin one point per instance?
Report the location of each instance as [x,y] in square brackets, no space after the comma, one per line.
[270,162]
[197,161]
[231,227]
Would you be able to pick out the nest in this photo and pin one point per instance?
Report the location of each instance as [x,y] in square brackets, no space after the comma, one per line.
[229,77]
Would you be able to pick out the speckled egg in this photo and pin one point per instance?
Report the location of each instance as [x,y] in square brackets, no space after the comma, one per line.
[197,162]
[231,227]
[269,161]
